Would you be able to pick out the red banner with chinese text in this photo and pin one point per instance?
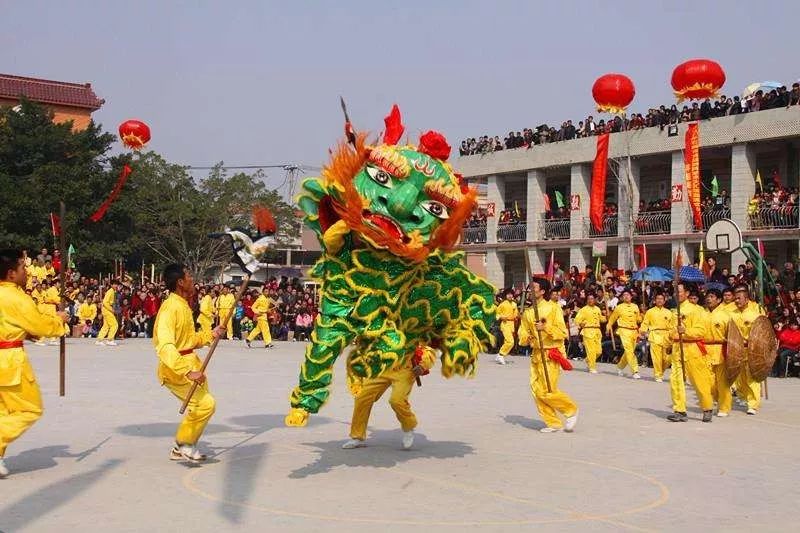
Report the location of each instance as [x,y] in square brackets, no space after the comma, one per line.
[691,161]
[597,196]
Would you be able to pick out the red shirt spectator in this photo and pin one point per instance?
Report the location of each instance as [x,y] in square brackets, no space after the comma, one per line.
[151,305]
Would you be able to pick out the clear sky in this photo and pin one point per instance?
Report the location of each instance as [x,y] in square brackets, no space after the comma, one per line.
[252,81]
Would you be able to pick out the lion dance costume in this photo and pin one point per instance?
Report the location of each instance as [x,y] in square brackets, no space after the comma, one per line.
[386,216]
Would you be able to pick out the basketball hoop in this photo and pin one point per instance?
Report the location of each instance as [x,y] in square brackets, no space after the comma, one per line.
[723,236]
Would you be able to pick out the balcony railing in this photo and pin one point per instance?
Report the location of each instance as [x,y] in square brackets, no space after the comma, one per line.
[653,223]
[512,232]
[553,228]
[473,235]
[773,218]
[712,215]
[609,229]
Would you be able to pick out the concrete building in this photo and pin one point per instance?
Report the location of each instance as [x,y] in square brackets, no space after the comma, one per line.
[733,150]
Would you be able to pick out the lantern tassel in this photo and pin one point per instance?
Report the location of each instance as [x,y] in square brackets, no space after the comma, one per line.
[101,211]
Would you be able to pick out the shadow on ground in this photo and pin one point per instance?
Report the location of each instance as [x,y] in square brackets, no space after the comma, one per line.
[524,421]
[383,451]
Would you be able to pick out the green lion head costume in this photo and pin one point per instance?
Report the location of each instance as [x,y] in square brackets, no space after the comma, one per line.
[387,216]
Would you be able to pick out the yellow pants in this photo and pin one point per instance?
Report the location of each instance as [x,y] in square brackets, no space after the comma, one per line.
[401,381]
[261,328]
[721,390]
[507,328]
[198,413]
[593,347]
[20,399]
[699,375]
[204,322]
[549,404]
[628,338]
[110,327]
[657,355]
[748,390]
[223,314]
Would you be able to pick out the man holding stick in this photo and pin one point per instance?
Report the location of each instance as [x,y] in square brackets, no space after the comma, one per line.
[588,320]
[542,327]
[20,399]
[175,340]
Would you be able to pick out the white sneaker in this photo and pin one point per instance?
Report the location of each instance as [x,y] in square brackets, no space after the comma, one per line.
[620,373]
[354,443]
[569,424]
[548,429]
[408,440]
[636,375]
[593,371]
[751,411]
[54,343]
[99,343]
[111,343]
[721,414]
[500,360]
[187,452]
[659,380]
[39,343]
[4,471]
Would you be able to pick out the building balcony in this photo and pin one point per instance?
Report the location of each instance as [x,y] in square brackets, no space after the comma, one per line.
[653,223]
[512,232]
[784,217]
[609,229]
[553,228]
[712,215]
[473,235]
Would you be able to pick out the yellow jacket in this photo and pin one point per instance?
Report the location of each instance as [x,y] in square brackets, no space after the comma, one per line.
[744,318]
[174,332]
[207,306]
[38,296]
[696,321]
[261,307]
[657,322]
[108,301]
[507,311]
[19,318]
[717,333]
[87,311]
[589,318]
[225,302]
[555,329]
[52,296]
[626,316]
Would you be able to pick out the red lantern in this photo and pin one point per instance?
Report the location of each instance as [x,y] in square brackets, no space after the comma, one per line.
[134,134]
[697,79]
[613,93]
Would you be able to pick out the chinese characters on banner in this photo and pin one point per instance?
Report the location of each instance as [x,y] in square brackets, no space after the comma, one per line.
[490,209]
[575,202]
[677,193]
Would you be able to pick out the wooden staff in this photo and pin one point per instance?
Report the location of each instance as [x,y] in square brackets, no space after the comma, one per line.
[62,342]
[535,308]
[214,344]
[675,281]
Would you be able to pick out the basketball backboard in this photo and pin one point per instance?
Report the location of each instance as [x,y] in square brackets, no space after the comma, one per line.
[723,236]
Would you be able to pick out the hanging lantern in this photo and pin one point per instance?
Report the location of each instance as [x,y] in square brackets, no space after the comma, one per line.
[613,93]
[134,134]
[697,79]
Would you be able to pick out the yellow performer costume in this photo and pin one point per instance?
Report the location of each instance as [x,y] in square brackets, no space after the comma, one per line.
[110,324]
[507,314]
[176,340]
[627,317]
[260,309]
[588,319]
[553,334]
[695,321]
[225,303]
[715,343]
[747,388]
[87,312]
[205,318]
[401,380]
[20,399]
[656,322]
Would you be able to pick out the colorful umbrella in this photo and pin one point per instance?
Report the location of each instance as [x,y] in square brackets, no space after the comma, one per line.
[765,86]
[653,273]
[690,274]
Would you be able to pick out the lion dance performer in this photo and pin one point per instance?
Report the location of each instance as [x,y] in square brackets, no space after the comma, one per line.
[20,399]
[627,317]
[655,326]
[386,216]
[745,313]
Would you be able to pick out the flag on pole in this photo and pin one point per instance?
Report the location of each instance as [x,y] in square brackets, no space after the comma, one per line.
[559,199]
[714,187]
[760,247]
[546,203]
[71,257]
[759,182]
[702,255]
[55,225]
[550,269]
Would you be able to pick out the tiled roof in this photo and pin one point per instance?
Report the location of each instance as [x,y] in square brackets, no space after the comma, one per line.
[49,91]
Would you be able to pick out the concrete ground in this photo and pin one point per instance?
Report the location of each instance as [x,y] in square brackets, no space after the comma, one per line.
[97,461]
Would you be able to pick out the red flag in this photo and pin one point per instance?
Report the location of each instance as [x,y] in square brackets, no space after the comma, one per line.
[551,271]
[761,251]
[55,225]
[691,160]
[641,251]
[597,197]
[101,211]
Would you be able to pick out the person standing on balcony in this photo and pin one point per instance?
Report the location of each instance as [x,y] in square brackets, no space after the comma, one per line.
[507,314]
[588,319]
[627,318]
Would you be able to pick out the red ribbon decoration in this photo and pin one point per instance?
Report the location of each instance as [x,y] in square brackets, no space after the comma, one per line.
[691,160]
[555,355]
[597,197]
[101,211]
